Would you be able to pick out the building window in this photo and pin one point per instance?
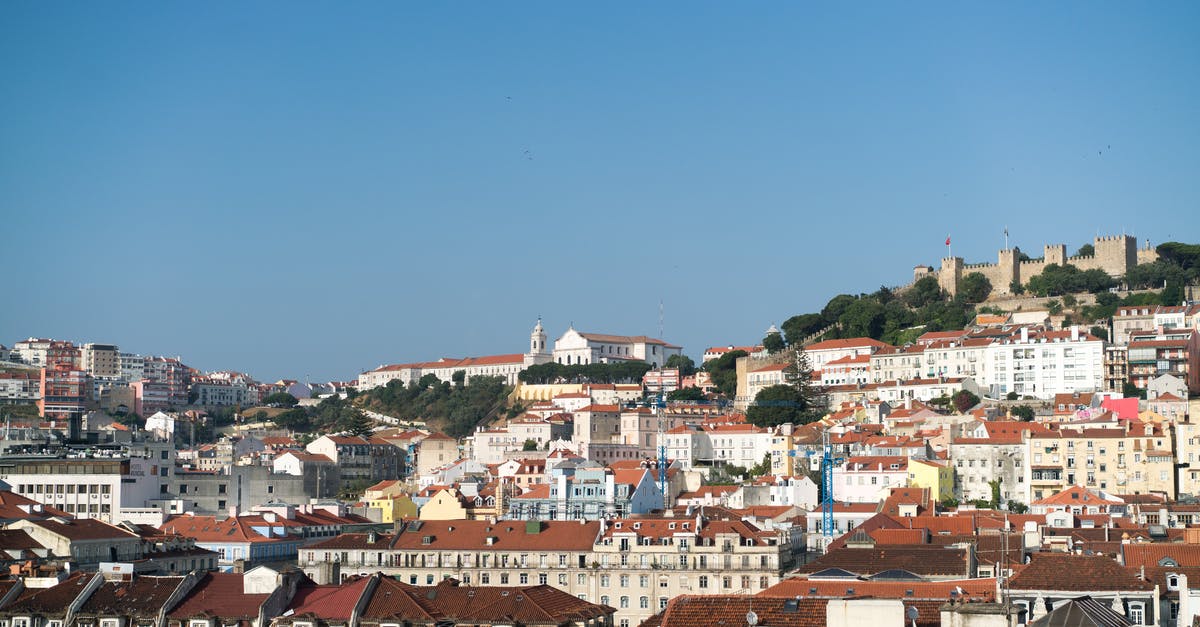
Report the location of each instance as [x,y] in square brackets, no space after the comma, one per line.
[624,603]
[1137,613]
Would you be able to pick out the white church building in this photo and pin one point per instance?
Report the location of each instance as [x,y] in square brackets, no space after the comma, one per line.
[573,347]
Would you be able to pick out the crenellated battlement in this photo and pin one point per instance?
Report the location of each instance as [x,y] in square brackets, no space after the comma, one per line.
[1114,254]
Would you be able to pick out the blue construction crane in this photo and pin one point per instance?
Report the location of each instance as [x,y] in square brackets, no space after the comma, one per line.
[828,463]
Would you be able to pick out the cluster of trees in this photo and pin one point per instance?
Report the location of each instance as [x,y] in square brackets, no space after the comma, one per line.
[896,318]
[1056,280]
[617,372]
[456,408]
[723,371]
[798,400]
[331,415]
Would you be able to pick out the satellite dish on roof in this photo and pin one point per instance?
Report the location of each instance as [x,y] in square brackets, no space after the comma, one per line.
[751,618]
[912,613]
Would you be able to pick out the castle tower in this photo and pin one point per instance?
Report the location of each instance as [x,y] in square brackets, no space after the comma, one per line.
[1055,253]
[1010,270]
[537,346]
[950,274]
[1116,254]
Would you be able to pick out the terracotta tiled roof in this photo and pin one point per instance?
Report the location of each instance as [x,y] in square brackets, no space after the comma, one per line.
[1087,573]
[974,589]
[857,342]
[510,535]
[328,602]
[144,596]
[1150,554]
[84,529]
[50,600]
[919,560]
[725,610]
[220,595]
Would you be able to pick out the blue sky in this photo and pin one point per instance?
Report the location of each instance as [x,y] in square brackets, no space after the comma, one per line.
[310,189]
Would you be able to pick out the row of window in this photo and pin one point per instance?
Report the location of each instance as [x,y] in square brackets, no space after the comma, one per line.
[67,488]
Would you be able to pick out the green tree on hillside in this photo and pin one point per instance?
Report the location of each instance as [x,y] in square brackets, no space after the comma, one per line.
[773,342]
[974,288]
[799,327]
[686,366]
[723,371]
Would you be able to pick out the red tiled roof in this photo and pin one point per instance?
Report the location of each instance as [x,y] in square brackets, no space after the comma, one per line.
[725,610]
[84,529]
[1087,573]
[328,602]
[974,589]
[144,596]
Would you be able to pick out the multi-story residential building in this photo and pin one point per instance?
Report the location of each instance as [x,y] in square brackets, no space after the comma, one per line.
[150,397]
[1129,319]
[93,485]
[824,352]
[661,380]
[46,353]
[434,451]
[171,372]
[1187,456]
[764,376]
[1134,459]
[849,370]
[244,487]
[20,387]
[575,347]
[132,366]
[634,565]
[210,392]
[716,352]
[708,445]
[368,460]
[597,423]
[65,392]
[1175,352]
[533,428]
[869,479]
[892,363]
[589,493]
[100,360]
[993,451]
[1116,367]
[1043,363]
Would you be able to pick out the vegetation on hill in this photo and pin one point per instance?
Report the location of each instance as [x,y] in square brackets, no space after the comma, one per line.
[455,408]
[895,318]
[331,415]
[799,400]
[723,371]
[617,372]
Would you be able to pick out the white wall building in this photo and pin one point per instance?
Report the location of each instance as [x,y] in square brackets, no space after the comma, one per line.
[575,347]
[868,479]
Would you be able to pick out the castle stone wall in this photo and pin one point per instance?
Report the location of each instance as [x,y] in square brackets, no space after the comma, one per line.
[1114,254]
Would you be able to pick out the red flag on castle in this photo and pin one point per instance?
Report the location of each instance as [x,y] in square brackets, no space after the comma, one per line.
[947,240]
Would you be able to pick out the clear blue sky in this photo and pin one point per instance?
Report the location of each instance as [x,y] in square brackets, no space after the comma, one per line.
[310,189]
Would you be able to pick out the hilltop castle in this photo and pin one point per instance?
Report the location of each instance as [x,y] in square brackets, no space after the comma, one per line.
[1113,254]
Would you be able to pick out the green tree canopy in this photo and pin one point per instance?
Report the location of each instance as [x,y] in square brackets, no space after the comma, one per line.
[773,342]
[1087,250]
[974,288]
[686,394]
[686,366]
[283,399]
[798,327]
[1022,412]
[926,290]
[723,371]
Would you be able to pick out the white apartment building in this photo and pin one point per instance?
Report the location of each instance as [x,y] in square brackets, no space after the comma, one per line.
[822,353]
[868,479]
[895,364]
[710,445]
[1041,364]
[132,366]
[95,487]
[980,458]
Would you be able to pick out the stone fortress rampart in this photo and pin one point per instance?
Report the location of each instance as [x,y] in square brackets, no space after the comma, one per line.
[1114,254]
